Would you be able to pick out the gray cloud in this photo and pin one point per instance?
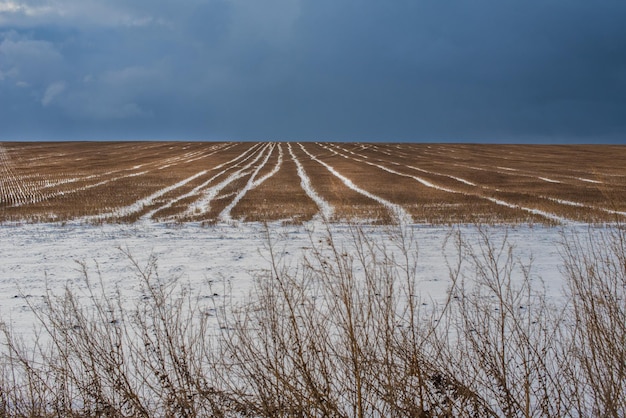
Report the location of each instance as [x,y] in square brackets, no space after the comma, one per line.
[302,69]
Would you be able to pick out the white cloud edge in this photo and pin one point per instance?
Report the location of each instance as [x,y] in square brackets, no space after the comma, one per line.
[52,92]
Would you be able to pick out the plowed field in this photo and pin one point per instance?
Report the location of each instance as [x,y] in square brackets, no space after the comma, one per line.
[295,182]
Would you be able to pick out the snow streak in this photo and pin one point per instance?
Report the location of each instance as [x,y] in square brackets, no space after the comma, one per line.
[426,183]
[202,206]
[325,209]
[398,213]
[198,189]
[252,183]
[389,170]
[141,204]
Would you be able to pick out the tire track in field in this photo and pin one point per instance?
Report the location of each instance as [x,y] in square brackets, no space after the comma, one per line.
[244,156]
[198,155]
[174,160]
[439,154]
[584,206]
[253,182]
[202,206]
[141,204]
[553,199]
[389,170]
[405,155]
[500,202]
[521,173]
[427,183]
[399,215]
[485,154]
[508,171]
[326,211]
[58,193]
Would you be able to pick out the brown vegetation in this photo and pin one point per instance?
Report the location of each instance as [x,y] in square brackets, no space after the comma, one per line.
[434,183]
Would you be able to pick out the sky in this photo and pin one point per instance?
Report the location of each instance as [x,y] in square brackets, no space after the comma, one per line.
[547,71]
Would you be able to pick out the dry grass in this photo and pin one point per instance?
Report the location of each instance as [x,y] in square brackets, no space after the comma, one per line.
[343,333]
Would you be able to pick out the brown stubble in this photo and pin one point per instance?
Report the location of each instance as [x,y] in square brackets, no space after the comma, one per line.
[348,204]
[63,181]
[280,197]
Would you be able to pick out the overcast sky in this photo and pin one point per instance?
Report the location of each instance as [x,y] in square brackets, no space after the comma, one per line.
[354,70]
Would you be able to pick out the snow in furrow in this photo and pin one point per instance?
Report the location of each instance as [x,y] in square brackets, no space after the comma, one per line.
[520,174]
[530,210]
[168,162]
[401,216]
[139,205]
[325,209]
[243,157]
[279,163]
[198,155]
[397,151]
[461,180]
[52,184]
[419,179]
[566,202]
[91,186]
[378,149]
[588,180]
[56,193]
[582,205]
[252,183]
[202,205]
[491,199]
[140,173]
[187,157]
[614,212]
[389,170]
[548,180]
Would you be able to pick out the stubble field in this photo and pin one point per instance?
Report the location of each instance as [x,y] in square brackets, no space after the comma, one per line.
[295,182]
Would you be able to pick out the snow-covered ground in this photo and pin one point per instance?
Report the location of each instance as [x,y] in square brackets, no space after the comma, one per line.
[217,263]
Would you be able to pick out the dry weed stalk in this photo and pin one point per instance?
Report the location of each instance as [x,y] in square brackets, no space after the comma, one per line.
[344,333]
[595,265]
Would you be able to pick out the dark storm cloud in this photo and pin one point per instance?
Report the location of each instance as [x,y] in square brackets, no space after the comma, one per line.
[400,70]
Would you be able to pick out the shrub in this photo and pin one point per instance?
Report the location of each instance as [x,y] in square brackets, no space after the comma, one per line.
[342,333]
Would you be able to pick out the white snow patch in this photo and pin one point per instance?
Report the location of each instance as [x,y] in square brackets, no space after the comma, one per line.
[582,205]
[589,180]
[218,263]
[548,180]
[531,210]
